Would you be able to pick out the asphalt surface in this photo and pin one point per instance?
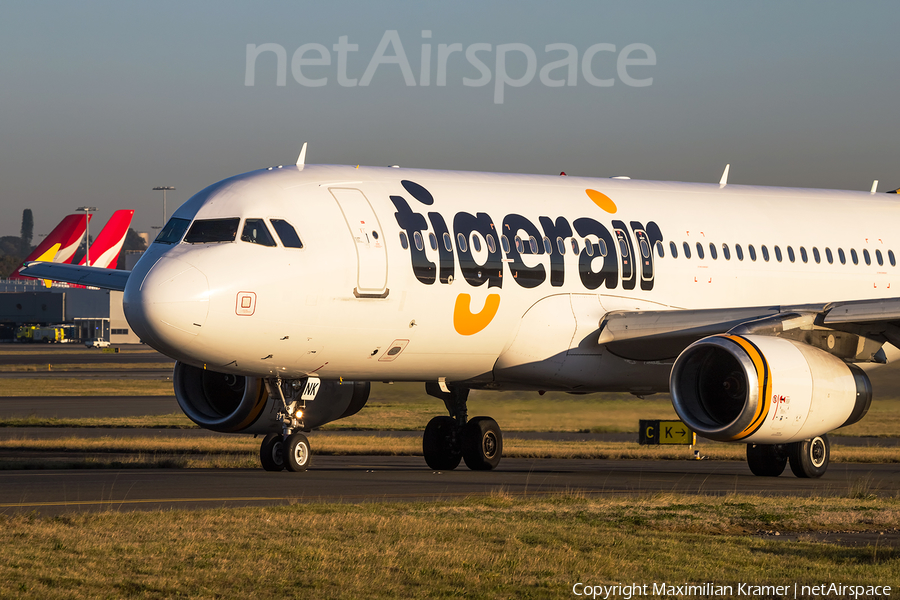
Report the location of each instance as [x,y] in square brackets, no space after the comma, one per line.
[86,406]
[377,479]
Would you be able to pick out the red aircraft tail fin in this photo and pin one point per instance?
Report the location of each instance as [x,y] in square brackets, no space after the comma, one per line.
[104,252]
[65,237]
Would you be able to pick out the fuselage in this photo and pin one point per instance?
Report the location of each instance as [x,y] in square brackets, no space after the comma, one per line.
[497,280]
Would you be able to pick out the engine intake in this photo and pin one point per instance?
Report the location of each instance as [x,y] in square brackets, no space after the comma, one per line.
[765,389]
[236,404]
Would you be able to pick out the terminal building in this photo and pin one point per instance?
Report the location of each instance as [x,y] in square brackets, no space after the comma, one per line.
[94,313]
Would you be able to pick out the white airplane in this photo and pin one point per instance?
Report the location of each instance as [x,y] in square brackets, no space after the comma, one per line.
[283,292]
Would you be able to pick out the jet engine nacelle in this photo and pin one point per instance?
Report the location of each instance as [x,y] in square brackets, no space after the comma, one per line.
[237,404]
[765,390]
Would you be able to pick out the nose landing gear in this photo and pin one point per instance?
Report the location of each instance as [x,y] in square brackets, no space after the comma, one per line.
[289,449]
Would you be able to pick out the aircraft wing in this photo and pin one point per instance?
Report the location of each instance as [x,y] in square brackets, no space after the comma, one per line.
[661,335]
[109,279]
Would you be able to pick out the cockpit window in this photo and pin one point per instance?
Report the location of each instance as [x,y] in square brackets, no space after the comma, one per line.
[256,232]
[173,231]
[212,230]
[286,232]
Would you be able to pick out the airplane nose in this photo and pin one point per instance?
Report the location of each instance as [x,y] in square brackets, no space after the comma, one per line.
[170,305]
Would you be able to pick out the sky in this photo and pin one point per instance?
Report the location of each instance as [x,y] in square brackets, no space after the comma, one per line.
[102,101]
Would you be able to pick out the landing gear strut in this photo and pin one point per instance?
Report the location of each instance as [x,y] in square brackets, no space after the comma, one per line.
[289,449]
[808,459]
[447,440]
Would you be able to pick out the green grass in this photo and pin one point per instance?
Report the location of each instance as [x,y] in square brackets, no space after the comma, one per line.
[487,547]
[405,406]
[75,386]
[76,366]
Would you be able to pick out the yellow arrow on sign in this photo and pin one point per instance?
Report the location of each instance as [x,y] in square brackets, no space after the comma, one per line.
[676,432]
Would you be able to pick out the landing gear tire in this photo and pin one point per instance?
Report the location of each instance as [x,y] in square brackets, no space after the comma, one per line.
[439,444]
[766,460]
[271,452]
[809,458]
[482,444]
[297,453]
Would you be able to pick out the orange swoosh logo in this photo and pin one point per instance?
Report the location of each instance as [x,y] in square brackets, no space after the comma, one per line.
[467,323]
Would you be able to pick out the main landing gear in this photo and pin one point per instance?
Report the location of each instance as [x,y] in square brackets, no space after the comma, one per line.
[290,449]
[447,440]
[808,458]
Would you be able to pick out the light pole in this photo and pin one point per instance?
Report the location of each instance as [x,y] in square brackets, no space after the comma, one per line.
[87,229]
[164,189]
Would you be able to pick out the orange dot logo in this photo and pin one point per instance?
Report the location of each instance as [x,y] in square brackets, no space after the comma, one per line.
[467,323]
[603,201]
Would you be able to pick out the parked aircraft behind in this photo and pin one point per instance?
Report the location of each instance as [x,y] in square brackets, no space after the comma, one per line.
[60,244]
[104,252]
[283,292]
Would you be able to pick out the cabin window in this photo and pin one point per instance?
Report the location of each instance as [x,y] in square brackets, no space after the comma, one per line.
[491,244]
[673,249]
[765,252]
[561,245]
[420,243]
[623,248]
[520,245]
[829,256]
[589,247]
[699,251]
[867,257]
[726,252]
[286,233]
[574,246]
[752,251]
[548,247]
[532,244]
[207,231]
[739,251]
[476,243]
[891,258]
[660,249]
[448,242]
[842,256]
[712,251]
[504,243]
[601,244]
[777,253]
[461,242]
[173,231]
[404,241]
[816,256]
[645,249]
[791,256]
[803,255]
[687,250]
[854,256]
[879,258]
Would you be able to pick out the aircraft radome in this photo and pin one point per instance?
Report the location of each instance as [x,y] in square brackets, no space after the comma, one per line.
[283,292]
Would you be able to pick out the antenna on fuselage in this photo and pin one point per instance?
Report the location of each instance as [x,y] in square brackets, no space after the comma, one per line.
[301,160]
[724,179]
[874,187]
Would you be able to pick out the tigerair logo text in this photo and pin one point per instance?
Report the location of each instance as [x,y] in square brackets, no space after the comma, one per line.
[617,256]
